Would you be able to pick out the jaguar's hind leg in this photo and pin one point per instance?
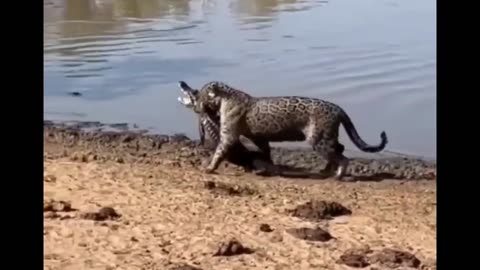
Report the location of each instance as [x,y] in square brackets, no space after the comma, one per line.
[263,160]
[329,147]
[265,148]
[315,139]
[335,159]
[342,164]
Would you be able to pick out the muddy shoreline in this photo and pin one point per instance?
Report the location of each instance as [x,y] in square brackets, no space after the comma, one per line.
[126,200]
[122,142]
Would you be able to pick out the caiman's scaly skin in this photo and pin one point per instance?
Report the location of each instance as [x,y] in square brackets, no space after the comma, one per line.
[276,119]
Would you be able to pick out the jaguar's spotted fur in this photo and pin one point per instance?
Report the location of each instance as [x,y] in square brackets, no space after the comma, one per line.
[275,119]
[247,157]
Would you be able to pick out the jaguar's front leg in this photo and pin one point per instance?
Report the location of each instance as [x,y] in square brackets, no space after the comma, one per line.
[227,140]
[220,152]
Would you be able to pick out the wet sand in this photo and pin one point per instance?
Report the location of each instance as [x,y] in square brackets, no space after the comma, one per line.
[166,214]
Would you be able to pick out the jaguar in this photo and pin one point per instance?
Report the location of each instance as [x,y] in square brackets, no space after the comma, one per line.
[282,118]
[244,153]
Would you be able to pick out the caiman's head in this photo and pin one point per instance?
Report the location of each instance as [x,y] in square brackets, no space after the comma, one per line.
[190,95]
[198,100]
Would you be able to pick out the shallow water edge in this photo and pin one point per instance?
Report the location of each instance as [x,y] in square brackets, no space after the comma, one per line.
[131,142]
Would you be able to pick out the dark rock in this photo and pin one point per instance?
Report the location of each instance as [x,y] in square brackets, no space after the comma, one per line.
[105,213]
[355,257]
[231,248]
[319,210]
[265,228]
[395,258]
[219,188]
[57,206]
[309,234]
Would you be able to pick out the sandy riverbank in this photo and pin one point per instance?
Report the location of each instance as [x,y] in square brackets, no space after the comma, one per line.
[169,213]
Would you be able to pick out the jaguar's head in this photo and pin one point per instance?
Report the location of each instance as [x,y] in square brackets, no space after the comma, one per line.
[200,101]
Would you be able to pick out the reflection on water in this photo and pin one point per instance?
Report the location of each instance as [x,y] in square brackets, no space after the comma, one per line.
[261,13]
[151,8]
[376,58]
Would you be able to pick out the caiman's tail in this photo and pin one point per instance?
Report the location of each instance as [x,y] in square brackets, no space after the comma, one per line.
[266,168]
[361,144]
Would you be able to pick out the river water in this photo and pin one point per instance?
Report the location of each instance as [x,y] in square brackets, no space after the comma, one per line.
[375,58]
